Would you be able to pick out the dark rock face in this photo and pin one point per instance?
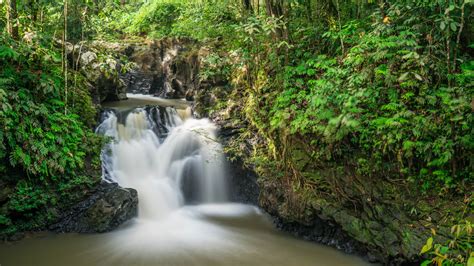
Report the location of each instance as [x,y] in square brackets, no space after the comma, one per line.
[167,68]
[312,228]
[243,182]
[244,187]
[107,208]
[271,197]
[325,233]
[109,89]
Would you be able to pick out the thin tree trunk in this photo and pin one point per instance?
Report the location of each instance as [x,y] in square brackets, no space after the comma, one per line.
[309,11]
[340,26]
[9,23]
[12,19]
[458,37]
[247,6]
[65,57]
[448,46]
[34,10]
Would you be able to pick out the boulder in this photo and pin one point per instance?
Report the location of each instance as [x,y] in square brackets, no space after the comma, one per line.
[102,73]
[106,209]
[87,58]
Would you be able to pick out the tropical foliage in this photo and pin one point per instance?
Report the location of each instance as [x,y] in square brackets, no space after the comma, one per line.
[373,93]
[48,151]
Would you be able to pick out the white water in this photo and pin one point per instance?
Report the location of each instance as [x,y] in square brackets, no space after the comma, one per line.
[187,166]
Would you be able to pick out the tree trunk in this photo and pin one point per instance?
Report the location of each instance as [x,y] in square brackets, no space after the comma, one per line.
[278,9]
[247,5]
[65,56]
[33,6]
[275,9]
[12,19]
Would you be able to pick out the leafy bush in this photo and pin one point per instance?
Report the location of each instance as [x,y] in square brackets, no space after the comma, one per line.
[206,22]
[45,147]
[382,99]
[155,18]
[455,251]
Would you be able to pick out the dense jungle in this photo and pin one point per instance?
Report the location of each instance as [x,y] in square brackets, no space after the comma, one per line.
[236,132]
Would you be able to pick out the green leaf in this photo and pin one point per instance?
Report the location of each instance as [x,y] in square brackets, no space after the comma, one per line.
[426,263]
[7,52]
[453,26]
[428,246]
[444,250]
[470,261]
[408,144]
[442,26]
[403,76]
[418,77]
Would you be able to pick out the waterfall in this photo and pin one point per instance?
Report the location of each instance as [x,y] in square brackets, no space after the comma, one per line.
[175,164]
[171,159]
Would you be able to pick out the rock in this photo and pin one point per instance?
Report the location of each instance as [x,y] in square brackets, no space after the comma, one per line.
[87,58]
[109,89]
[243,184]
[243,181]
[107,208]
[167,68]
[102,73]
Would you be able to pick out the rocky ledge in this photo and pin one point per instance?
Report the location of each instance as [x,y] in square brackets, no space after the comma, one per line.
[106,209]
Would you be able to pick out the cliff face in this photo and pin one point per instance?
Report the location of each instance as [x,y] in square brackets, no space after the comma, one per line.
[167,68]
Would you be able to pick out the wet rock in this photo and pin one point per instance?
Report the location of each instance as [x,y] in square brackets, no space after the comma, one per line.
[243,181]
[244,187]
[106,209]
[312,228]
[109,89]
[167,68]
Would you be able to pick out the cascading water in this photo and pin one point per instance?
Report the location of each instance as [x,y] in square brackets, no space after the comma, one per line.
[170,160]
[177,167]
[175,164]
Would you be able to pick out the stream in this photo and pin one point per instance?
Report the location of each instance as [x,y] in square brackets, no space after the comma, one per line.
[185,217]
